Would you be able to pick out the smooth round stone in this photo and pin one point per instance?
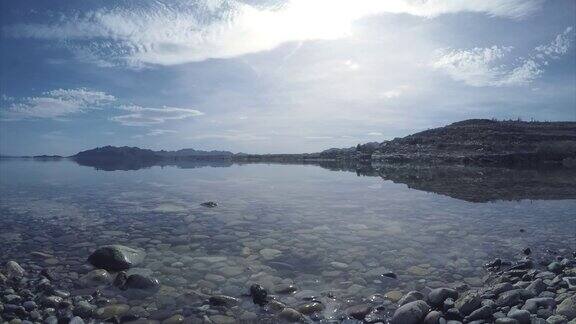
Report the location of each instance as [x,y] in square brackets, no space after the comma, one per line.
[214,278]
[522,316]
[222,300]
[97,277]
[112,310]
[306,294]
[339,265]
[52,261]
[358,311]
[310,308]
[290,315]
[270,254]
[411,313]
[393,295]
[418,271]
[76,320]
[116,257]
[437,296]
[29,305]
[137,281]
[84,309]
[14,270]
[222,319]
[52,301]
[51,320]
[285,289]
[176,319]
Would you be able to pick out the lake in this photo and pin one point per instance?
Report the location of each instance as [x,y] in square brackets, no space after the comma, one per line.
[329,232]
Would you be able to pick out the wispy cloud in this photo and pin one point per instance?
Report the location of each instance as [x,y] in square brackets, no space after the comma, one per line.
[54,104]
[141,116]
[155,132]
[559,46]
[482,67]
[177,32]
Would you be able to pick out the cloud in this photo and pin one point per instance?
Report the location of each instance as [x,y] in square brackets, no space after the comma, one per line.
[157,132]
[166,33]
[54,104]
[482,67]
[559,46]
[318,137]
[140,116]
[375,134]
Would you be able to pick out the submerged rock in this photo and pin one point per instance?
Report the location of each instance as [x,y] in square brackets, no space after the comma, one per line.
[285,289]
[138,281]
[14,270]
[291,315]
[94,278]
[258,294]
[209,204]
[223,300]
[116,257]
[311,308]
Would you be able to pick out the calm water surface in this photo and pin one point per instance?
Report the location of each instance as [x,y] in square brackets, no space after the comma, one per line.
[319,229]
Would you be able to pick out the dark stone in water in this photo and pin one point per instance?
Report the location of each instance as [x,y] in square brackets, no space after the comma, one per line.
[527,251]
[223,300]
[496,263]
[358,311]
[389,274]
[120,280]
[259,294]
[209,204]
[47,274]
[137,281]
[116,257]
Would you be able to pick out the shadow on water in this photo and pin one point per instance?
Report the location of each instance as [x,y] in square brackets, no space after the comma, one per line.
[472,184]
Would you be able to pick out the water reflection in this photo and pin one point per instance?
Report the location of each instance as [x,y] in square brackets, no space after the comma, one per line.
[331,234]
[473,184]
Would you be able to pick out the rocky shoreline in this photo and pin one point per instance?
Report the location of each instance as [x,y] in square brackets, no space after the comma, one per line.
[534,289]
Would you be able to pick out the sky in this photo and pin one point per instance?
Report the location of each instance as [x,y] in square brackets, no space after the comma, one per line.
[274,76]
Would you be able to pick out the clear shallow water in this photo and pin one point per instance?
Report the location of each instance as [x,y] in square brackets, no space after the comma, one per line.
[324,231]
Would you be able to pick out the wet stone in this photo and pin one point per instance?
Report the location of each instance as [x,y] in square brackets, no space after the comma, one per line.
[290,315]
[94,278]
[285,289]
[258,294]
[310,308]
[116,257]
[411,313]
[112,311]
[358,311]
[223,300]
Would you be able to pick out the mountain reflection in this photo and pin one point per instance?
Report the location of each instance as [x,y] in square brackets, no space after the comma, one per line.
[472,184]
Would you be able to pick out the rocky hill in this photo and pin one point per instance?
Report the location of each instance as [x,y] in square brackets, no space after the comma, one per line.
[481,142]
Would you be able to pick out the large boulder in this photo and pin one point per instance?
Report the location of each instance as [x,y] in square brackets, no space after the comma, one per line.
[116,257]
[411,313]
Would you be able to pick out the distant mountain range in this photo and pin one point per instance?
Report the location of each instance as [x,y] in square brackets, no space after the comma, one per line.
[470,142]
